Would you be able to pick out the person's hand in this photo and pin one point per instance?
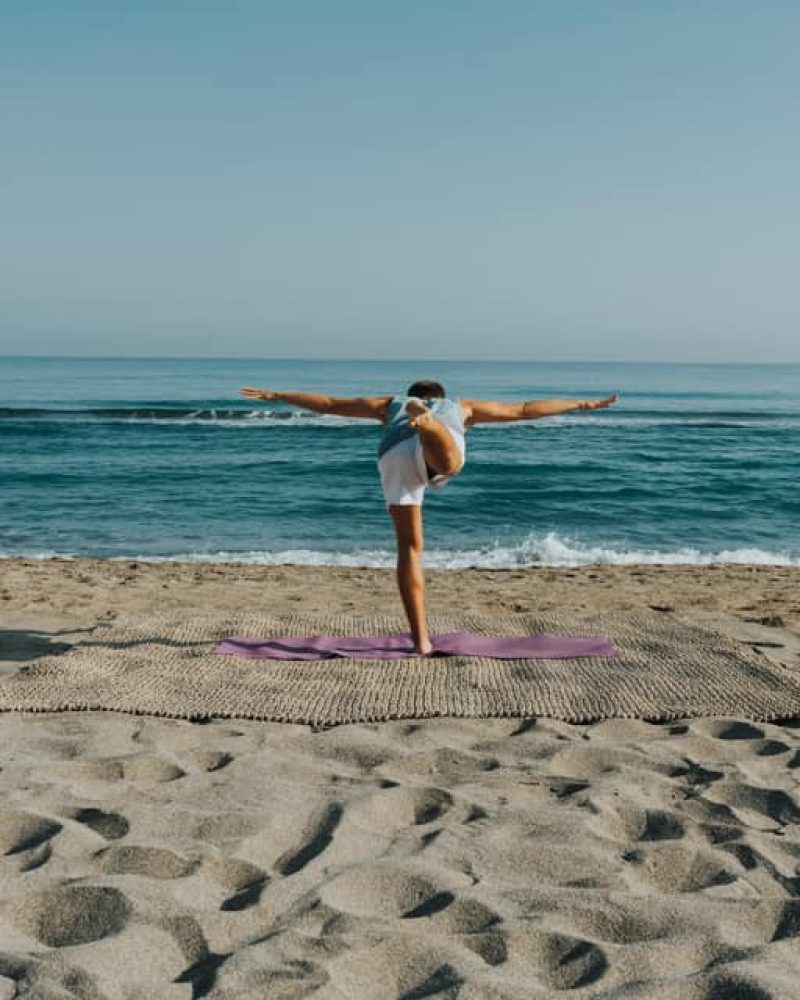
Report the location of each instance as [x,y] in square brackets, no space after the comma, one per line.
[264,394]
[599,404]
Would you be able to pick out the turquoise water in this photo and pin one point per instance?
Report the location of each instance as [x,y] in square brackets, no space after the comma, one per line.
[162,459]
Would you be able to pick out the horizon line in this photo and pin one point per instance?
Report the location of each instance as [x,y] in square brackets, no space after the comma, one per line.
[359,360]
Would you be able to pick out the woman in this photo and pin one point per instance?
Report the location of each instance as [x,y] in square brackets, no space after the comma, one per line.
[423,445]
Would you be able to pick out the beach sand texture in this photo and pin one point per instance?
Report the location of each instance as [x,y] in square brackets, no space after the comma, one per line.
[489,858]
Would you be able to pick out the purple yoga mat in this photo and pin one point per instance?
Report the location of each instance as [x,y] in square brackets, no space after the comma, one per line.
[400,647]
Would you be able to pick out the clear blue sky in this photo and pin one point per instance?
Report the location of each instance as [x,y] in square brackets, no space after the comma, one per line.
[505,178]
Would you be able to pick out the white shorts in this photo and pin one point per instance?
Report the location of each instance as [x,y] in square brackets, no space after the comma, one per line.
[404,476]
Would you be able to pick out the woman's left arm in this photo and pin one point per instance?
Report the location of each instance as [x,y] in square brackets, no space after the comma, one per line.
[489,411]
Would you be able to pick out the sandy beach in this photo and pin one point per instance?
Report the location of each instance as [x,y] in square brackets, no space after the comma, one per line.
[500,859]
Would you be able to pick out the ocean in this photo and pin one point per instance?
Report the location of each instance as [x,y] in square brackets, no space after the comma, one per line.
[162,460]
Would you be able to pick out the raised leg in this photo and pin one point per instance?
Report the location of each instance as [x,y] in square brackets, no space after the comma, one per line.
[410,578]
[441,452]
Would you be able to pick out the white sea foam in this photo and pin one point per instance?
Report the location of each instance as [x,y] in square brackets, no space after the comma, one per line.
[535,550]
[247,421]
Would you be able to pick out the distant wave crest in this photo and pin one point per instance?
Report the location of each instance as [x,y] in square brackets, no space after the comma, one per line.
[240,417]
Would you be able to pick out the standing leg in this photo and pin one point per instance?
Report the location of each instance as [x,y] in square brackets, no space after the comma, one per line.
[410,579]
[441,452]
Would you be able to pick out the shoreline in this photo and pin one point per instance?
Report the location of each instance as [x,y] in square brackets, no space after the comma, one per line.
[445,559]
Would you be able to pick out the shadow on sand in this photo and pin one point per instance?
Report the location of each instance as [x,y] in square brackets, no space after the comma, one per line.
[20,644]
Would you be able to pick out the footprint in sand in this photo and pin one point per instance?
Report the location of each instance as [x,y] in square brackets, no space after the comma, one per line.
[558,961]
[671,868]
[93,770]
[341,748]
[788,923]
[451,914]
[728,729]
[44,975]
[626,822]
[212,760]
[22,831]
[752,802]
[226,827]
[395,894]
[449,766]
[492,947]
[400,806]
[406,968]
[624,920]
[382,891]
[316,837]
[694,774]
[147,770]
[588,761]
[71,914]
[244,881]
[772,748]
[233,874]
[152,862]
[246,897]
[110,825]
[152,770]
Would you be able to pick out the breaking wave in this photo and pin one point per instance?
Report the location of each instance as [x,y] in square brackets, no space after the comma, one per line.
[178,416]
[535,550]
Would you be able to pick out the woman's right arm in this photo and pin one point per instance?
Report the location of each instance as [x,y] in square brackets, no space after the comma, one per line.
[367,407]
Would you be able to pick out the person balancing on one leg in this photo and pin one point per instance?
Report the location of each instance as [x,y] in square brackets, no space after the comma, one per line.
[422,446]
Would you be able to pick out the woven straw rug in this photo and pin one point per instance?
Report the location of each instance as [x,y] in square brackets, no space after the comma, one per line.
[166,666]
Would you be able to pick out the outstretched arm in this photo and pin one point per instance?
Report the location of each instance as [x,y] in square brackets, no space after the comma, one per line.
[368,407]
[488,411]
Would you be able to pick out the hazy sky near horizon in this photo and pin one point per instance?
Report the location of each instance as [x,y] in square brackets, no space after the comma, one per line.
[504,178]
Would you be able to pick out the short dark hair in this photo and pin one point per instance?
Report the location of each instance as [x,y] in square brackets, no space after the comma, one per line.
[426,389]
